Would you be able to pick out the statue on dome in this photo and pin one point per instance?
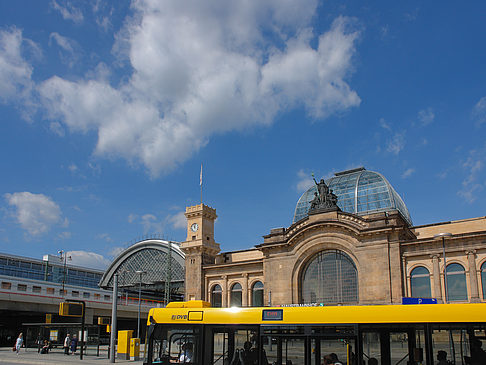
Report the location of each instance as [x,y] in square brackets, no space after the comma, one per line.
[324,198]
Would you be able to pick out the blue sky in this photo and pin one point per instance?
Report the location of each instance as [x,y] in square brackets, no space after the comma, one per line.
[109,108]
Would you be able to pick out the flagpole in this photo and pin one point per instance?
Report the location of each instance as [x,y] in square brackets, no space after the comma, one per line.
[200,181]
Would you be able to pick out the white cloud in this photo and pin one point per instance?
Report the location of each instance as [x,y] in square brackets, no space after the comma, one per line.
[88,259]
[64,235]
[408,172]
[396,143]
[15,72]
[178,220]
[68,11]
[131,218]
[479,111]
[384,124]
[473,184]
[304,181]
[426,116]
[35,213]
[64,42]
[105,237]
[115,251]
[198,72]
[151,224]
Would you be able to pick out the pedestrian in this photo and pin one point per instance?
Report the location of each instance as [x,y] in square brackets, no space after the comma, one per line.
[74,344]
[19,342]
[39,342]
[67,343]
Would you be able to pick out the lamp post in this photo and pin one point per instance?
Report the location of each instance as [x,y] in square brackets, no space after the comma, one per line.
[443,236]
[63,256]
[140,272]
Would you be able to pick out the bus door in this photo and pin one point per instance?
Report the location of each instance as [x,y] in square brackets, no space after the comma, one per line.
[231,345]
[334,343]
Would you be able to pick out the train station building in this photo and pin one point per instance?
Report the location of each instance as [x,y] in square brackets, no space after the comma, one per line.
[352,241]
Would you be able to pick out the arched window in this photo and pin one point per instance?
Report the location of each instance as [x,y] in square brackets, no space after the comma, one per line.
[456,282]
[217,296]
[330,277]
[236,295]
[257,294]
[420,282]
[483,278]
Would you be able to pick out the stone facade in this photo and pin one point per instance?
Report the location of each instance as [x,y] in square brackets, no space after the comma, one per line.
[383,248]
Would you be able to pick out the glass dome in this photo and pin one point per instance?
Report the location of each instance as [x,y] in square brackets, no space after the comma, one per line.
[360,192]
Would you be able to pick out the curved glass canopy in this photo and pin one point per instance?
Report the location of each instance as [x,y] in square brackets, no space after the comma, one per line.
[360,192]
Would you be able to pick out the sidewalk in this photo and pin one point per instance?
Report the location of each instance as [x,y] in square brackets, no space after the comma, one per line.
[56,356]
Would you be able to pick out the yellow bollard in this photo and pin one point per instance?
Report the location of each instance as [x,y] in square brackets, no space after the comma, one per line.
[135,349]
[124,338]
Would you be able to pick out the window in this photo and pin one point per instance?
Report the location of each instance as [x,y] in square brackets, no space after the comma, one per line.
[21,287]
[456,283]
[62,292]
[107,297]
[331,278]
[50,290]
[75,293]
[236,295]
[257,294]
[6,285]
[97,296]
[483,278]
[36,289]
[217,296]
[85,295]
[420,282]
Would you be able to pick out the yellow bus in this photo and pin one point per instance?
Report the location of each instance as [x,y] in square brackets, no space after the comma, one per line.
[193,332]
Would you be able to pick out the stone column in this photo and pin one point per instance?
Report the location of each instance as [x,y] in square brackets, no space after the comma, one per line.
[436,278]
[473,275]
[225,294]
[244,294]
[406,287]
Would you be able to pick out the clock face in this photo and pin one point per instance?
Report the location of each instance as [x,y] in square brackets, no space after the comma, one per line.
[194,227]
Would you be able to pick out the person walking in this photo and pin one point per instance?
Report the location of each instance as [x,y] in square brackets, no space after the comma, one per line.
[74,345]
[39,342]
[19,342]
[67,343]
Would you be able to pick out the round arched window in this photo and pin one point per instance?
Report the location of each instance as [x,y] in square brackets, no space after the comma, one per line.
[330,277]
[456,283]
[236,295]
[216,296]
[257,294]
[420,282]
[483,278]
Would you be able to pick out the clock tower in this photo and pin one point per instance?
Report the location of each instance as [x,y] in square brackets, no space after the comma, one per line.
[200,248]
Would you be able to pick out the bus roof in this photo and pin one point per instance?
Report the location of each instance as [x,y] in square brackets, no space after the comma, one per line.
[198,312]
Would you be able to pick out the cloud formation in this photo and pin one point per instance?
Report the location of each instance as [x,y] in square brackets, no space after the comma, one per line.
[68,11]
[15,72]
[88,259]
[200,69]
[479,111]
[36,213]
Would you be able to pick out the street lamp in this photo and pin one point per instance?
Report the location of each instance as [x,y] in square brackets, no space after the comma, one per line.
[443,236]
[63,256]
[140,272]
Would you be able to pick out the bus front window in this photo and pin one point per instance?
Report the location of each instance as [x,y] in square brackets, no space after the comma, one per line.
[173,345]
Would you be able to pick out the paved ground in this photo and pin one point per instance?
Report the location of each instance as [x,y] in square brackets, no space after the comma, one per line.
[56,356]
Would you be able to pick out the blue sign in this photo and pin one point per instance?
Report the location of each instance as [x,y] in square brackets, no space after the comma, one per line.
[419,301]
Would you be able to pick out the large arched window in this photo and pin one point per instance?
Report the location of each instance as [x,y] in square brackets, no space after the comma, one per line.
[257,294]
[456,282]
[483,278]
[330,277]
[420,282]
[216,296]
[236,295]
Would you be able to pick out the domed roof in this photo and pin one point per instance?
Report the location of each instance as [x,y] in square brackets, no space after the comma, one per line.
[360,192]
